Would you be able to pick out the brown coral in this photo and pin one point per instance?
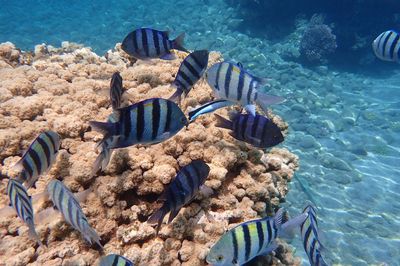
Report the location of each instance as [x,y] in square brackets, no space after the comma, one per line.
[62,89]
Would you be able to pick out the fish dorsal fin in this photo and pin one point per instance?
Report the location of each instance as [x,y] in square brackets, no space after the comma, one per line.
[239,64]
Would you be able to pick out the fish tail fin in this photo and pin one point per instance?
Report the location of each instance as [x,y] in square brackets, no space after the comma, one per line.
[158,217]
[107,129]
[289,228]
[222,122]
[91,235]
[178,43]
[176,97]
[32,232]
[102,160]
[264,100]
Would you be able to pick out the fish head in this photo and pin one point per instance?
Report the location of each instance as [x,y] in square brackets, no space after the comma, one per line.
[52,186]
[178,118]
[127,44]
[56,139]
[273,135]
[202,168]
[201,56]
[221,254]
[211,76]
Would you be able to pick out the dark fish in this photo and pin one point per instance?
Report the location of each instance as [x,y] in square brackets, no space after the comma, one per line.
[387,46]
[147,43]
[311,242]
[146,122]
[251,239]
[68,205]
[116,90]
[190,71]
[39,158]
[22,203]
[257,130]
[208,108]
[115,260]
[181,191]
[233,83]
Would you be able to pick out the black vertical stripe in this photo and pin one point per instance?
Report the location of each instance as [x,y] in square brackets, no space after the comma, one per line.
[36,159]
[51,141]
[317,258]
[156,42]
[115,261]
[247,241]
[263,133]
[385,43]
[127,124]
[69,212]
[186,78]
[27,167]
[240,85]
[79,219]
[180,190]
[191,69]
[393,45]
[260,235]
[140,121]
[397,53]
[169,116]
[218,74]
[188,178]
[144,42]
[156,119]
[312,251]
[135,41]
[46,150]
[235,245]
[197,61]
[180,85]
[269,231]
[165,43]
[243,126]
[228,75]
[256,120]
[306,237]
[60,200]
[250,90]
[199,175]
[379,41]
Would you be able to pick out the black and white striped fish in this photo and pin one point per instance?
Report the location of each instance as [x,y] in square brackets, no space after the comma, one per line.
[39,158]
[116,90]
[147,122]
[251,239]
[115,260]
[68,205]
[22,203]
[145,43]
[208,108]
[257,130]
[190,71]
[387,46]
[181,191]
[310,236]
[231,82]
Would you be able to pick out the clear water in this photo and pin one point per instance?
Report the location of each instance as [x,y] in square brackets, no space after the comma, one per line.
[345,127]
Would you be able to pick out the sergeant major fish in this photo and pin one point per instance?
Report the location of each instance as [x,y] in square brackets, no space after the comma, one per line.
[22,203]
[233,83]
[68,205]
[39,158]
[115,260]
[311,243]
[190,71]
[116,90]
[147,122]
[251,239]
[257,130]
[145,43]
[387,46]
[181,191]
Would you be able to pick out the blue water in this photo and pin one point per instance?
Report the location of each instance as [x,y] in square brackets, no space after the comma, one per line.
[344,126]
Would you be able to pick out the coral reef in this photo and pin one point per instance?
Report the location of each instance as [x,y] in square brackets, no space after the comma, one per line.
[62,89]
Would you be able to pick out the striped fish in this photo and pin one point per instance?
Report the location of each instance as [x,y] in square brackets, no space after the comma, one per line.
[22,203]
[68,205]
[116,90]
[39,158]
[251,239]
[387,46]
[231,82]
[190,71]
[257,130]
[181,191]
[146,122]
[309,234]
[208,108]
[115,260]
[145,43]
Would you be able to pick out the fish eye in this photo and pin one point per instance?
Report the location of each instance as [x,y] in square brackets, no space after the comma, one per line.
[183,120]
[220,258]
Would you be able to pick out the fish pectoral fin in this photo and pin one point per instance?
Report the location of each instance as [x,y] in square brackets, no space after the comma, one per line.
[168,56]
[250,109]
[255,140]
[271,247]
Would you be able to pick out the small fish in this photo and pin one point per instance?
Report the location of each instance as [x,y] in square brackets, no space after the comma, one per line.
[190,71]
[181,191]
[147,122]
[145,43]
[116,90]
[115,260]
[251,239]
[309,234]
[22,203]
[65,201]
[257,130]
[387,46]
[233,83]
[39,158]
[208,108]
